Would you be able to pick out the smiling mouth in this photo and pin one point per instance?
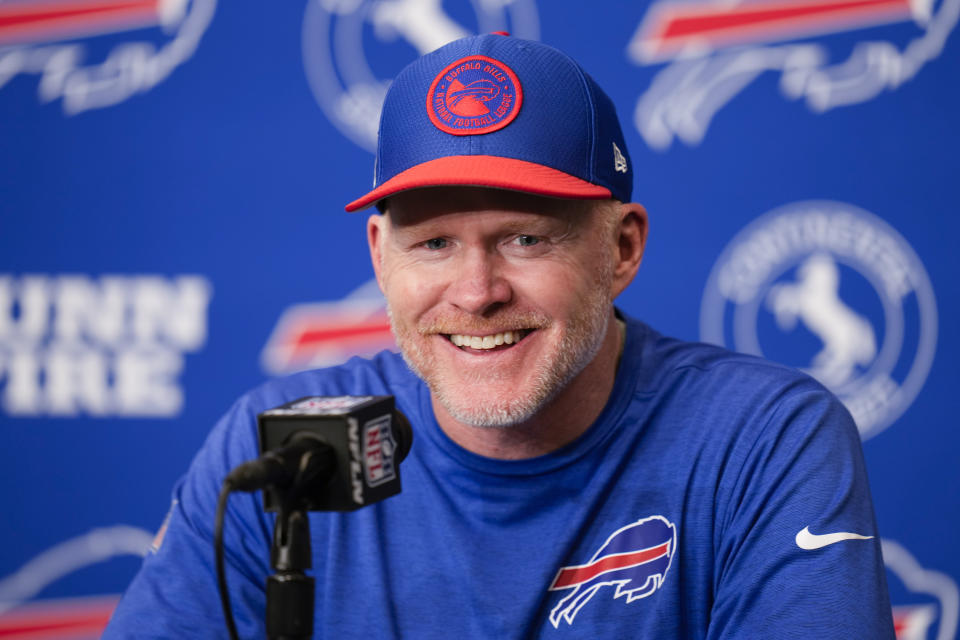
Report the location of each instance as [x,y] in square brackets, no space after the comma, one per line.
[501,340]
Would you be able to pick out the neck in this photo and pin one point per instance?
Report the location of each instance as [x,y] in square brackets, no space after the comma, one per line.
[559,422]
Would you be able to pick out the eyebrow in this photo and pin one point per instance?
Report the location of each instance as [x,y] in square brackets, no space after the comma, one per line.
[567,216]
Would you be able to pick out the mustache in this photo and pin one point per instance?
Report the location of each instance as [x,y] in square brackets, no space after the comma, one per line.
[472,325]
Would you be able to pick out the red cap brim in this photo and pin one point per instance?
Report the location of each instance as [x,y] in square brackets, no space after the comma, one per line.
[485,171]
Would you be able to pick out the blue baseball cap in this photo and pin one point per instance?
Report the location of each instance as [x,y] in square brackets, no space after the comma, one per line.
[498,111]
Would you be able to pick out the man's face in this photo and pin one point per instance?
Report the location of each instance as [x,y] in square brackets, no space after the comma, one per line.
[497,299]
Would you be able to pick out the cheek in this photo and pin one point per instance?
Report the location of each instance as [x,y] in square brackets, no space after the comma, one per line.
[409,289]
[556,287]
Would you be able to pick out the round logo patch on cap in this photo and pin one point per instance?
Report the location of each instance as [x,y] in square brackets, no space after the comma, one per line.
[474,95]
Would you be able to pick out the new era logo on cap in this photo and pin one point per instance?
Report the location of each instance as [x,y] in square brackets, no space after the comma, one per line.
[502,112]
[619,160]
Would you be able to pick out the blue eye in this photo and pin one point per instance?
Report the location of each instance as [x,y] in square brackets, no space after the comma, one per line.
[527,241]
[435,243]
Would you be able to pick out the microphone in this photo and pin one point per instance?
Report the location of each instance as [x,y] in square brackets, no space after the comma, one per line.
[318,453]
[334,453]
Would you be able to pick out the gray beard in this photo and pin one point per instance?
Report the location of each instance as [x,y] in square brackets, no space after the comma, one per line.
[578,347]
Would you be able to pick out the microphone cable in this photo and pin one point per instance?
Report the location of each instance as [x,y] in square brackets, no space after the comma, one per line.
[305,457]
[225,492]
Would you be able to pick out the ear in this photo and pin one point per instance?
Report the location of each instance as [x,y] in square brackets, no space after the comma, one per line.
[631,240]
[376,232]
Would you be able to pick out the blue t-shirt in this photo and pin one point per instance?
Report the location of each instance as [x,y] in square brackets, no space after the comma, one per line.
[675,515]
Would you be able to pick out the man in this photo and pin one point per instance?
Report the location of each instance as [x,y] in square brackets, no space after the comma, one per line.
[574,473]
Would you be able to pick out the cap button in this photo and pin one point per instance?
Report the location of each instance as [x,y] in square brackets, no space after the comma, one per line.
[499,33]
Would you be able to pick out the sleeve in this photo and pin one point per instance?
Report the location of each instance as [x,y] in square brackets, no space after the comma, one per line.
[797,549]
[175,595]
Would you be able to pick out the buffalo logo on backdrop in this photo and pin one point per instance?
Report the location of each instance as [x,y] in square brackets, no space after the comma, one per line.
[352,49]
[926,603]
[829,53]
[77,618]
[833,290]
[323,334]
[96,53]
[633,562]
[102,346]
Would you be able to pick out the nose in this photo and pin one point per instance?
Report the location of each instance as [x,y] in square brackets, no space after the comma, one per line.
[478,284]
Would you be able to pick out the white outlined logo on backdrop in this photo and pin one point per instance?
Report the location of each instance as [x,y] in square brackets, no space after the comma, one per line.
[834,290]
[55,40]
[338,65]
[75,617]
[714,50]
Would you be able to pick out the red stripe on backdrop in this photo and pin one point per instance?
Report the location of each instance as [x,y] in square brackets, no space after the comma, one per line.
[70,618]
[703,22]
[20,22]
[315,335]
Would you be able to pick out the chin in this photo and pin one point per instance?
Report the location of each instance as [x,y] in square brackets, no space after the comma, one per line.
[518,401]
[499,415]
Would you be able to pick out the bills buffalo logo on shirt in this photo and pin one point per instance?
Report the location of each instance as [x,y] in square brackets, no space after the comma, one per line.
[63,42]
[352,49]
[633,562]
[474,95]
[715,49]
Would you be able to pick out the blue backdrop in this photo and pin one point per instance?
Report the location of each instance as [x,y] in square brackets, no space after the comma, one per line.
[172,182]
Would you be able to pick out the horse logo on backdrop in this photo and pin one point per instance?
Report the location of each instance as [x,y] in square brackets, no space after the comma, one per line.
[324,334]
[59,40]
[848,338]
[834,290]
[715,49]
[634,561]
[353,48]
[926,603]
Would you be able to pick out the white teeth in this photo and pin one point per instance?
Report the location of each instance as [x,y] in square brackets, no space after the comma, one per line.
[486,342]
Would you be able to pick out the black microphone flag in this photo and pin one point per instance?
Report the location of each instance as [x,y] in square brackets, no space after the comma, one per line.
[340,452]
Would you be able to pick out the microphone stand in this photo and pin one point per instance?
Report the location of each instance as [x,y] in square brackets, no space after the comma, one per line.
[290,591]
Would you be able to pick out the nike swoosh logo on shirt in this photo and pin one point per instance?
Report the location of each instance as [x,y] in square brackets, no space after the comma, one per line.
[810,541]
